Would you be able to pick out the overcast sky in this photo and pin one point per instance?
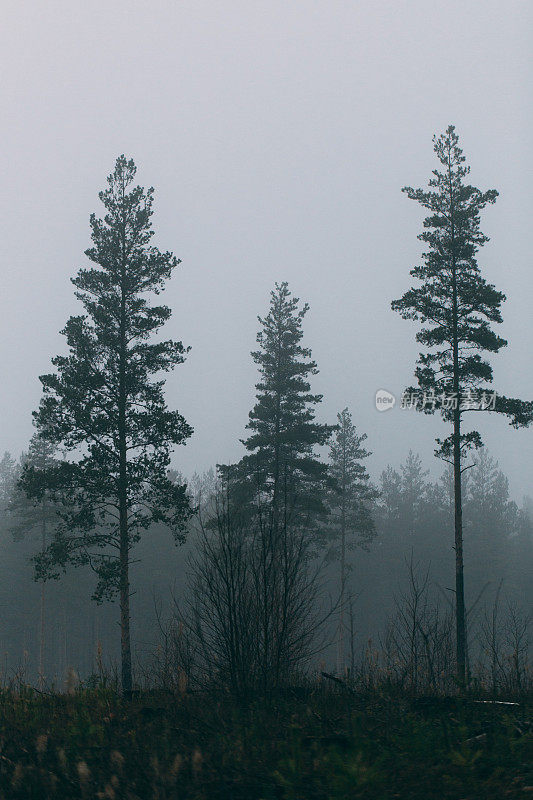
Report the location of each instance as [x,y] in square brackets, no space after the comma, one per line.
[277,136]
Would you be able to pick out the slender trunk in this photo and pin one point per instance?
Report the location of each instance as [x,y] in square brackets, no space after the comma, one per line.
[125,643]
[277,434]
[124,558]
[340,641]
[96,644]
[340,651]
[64,644]
[271,556]
[41,641]
[460,625]
[41,632]
[459,569]
[352,641]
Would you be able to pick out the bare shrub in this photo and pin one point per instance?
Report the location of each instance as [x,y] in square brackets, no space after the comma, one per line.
[253,616]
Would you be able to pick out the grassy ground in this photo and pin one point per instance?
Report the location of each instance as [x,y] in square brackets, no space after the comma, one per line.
[324,745]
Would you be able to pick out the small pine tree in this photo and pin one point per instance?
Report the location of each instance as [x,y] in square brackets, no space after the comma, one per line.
[276,492]
[281,467]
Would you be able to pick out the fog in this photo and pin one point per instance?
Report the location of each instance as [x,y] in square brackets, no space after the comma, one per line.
[277,137]
[194,555]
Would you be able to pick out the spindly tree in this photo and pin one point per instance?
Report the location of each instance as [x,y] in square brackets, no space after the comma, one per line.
[9,473]
[350,500]
[456,307]
[105,405]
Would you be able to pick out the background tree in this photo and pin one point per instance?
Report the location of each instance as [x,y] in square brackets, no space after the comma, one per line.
[9,473]
[491,522]
[37,516]
[106,406]
[521,555]
[279,485]
[411,515]
[281,469]
[413,498]
[456,306]
[350,500]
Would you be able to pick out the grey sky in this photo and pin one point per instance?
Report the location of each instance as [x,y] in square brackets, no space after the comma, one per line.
[277,136]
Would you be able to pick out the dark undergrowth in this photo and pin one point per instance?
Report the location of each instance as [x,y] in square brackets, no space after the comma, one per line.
[320,743]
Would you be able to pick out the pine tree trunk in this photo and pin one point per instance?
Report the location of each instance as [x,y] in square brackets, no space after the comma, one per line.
[41,632]
[459,569]
[125,643]
[340,641]
[340,646]
[460,626]
[41,641]
[64,644]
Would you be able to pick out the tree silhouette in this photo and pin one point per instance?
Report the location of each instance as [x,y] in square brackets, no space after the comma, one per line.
[105,405]
[456,307]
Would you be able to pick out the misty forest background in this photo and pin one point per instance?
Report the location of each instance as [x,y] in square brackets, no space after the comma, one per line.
[379,598]
[414,515]
[229,569]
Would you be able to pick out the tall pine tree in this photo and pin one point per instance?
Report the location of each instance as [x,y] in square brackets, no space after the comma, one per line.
[105,405]
[456,307]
